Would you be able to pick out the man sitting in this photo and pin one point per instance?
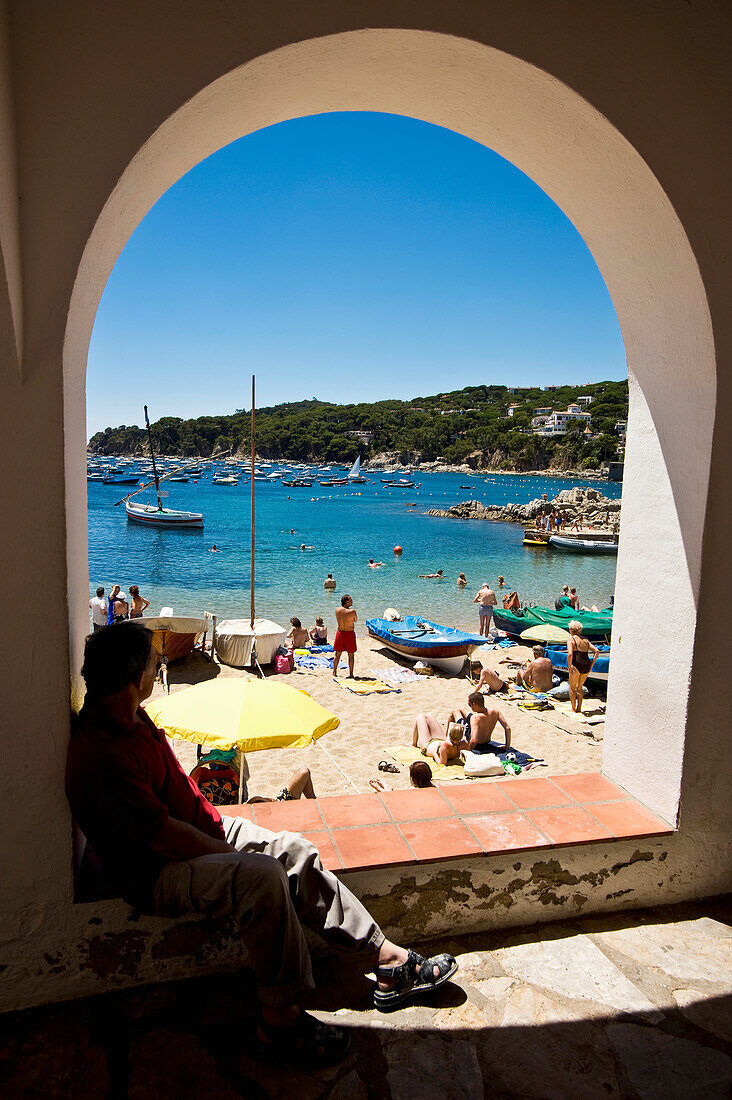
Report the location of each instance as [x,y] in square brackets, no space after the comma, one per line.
[171,853]
[479,723]
[536,675]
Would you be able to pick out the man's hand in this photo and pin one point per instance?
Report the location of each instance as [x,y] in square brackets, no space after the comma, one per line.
[179,840]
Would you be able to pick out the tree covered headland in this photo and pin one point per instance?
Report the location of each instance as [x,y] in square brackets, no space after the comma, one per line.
[469,425]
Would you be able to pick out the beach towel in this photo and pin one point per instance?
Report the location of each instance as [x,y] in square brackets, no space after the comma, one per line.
[309,662]
[362,685]
[398,675]
[405,754]
[455,770]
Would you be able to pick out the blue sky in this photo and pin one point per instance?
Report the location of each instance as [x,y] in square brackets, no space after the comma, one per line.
[350,257]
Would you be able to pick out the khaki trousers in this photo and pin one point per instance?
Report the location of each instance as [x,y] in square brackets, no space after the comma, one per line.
[268,885]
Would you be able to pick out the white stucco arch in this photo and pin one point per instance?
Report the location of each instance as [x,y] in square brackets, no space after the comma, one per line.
[601,183]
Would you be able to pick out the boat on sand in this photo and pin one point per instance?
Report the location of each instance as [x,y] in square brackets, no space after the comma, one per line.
[443,647]
[596,625]
[557,654]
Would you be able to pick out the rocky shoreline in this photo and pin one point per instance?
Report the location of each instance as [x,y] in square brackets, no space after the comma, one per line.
[393,462]
[589,505]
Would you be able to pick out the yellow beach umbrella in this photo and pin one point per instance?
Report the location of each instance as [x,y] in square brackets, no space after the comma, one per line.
[545,632]
[242,713]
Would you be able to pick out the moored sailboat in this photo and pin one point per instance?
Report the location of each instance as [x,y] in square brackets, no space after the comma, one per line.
[151,516]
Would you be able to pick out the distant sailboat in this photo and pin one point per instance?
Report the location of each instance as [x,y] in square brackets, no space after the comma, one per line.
[354,476]
[158,517]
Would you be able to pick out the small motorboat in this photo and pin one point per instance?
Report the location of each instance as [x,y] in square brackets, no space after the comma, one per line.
[443,647]
[225,481]
[583,546]
[557,654]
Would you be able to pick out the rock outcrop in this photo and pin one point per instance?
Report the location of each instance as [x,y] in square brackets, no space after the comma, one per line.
[594,509]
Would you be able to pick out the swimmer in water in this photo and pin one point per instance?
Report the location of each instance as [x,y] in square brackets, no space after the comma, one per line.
[374,564]
[431,576]
[461,581]
[304,547]
[214,549]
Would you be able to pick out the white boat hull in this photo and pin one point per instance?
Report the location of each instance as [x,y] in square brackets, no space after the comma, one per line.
[150,516]
[453,666]
[583,546]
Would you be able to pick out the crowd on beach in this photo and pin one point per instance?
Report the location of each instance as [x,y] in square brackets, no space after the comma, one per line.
[115,608]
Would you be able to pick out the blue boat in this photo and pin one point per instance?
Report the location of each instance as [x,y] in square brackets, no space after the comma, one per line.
[557,654]
[444,647]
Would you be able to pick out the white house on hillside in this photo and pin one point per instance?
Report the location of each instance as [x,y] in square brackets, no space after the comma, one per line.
[556,423]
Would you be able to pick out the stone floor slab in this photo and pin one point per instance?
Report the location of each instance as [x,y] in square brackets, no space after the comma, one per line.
[682,950]
[664,1067]
[574,967]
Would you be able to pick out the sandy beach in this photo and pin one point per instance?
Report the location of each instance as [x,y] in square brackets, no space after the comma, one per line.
[343,761]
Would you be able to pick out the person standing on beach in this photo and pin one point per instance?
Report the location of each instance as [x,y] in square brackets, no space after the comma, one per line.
[110,607]
[345,639]
[138,603]
[98,606]
[486,599]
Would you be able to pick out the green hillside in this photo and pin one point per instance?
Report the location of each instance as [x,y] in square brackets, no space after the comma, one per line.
[469,425]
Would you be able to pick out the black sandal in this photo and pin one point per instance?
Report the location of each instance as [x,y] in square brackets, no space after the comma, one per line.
[307,1044]
[385,766]
[415,976]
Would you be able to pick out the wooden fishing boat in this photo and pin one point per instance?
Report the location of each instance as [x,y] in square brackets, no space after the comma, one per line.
[148,514]
[151,516]
[443,647]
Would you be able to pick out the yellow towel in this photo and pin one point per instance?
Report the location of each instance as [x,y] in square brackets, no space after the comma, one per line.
[443,773]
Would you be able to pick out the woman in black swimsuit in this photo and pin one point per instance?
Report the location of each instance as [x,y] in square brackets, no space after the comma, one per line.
[581,656]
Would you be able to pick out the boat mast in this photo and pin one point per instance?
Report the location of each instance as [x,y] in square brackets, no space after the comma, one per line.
[152,455]
[251,565]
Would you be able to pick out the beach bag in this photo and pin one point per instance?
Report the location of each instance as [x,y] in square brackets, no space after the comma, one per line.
[218,783]
[284,663]
[478,765]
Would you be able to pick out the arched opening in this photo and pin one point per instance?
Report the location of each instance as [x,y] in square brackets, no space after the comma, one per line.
[610,195]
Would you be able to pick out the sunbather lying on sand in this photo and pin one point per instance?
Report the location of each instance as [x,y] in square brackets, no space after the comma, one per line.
[300,785]
[429,736]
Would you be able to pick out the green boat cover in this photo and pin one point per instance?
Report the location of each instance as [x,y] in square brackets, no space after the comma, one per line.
[596,625]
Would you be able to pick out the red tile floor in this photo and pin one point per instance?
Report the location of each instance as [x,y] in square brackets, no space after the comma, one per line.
[354,832]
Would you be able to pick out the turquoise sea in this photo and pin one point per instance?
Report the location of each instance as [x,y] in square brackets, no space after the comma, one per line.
[346,526]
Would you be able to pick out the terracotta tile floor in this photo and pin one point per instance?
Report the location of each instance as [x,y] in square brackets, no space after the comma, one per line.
[354,832]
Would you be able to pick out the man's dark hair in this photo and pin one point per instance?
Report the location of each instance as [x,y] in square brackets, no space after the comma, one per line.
[344,600]
[100,591]
[115,657]
[475,699]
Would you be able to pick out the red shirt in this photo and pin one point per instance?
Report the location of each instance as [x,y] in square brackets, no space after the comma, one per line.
[122,785]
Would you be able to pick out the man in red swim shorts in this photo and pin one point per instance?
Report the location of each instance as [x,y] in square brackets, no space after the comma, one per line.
[345,639]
